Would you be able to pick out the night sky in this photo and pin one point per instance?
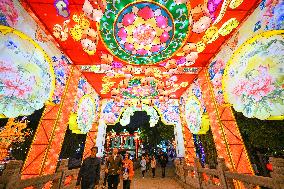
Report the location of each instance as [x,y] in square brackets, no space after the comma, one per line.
[138,120]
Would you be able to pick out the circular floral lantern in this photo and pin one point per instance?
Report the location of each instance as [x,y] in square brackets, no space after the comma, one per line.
[26,75]
[144,32]
[193,114]
[86,114]
[253,80]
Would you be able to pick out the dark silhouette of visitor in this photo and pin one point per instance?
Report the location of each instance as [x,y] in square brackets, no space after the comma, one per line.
[147,158]
[89,174]
[113,169]
[163,162]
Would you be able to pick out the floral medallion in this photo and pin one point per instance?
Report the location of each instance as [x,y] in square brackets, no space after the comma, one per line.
[144,32]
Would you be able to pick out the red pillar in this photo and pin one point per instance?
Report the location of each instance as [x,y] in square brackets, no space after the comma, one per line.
[226,134]
[91,140]
[189,147]
[46,146]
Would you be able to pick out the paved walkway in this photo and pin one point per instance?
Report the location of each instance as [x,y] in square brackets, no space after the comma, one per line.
[155,183]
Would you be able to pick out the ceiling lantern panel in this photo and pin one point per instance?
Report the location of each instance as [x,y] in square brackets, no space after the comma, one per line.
[144,32]
[120,44]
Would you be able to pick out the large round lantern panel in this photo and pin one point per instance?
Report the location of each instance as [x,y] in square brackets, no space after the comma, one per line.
[193,114]
[86,114]
[253,81]
[26,74]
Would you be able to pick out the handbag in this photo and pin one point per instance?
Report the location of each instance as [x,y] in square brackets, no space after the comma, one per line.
[125,175]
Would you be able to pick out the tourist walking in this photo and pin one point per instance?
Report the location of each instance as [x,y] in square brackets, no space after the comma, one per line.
[147,158]
[89,174]
[153,166]
[106,174]
[163,162]
[143,166]
[128,172]
[113,169]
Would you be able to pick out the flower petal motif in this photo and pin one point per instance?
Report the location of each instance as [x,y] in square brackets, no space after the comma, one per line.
[122,34]
[162,21]
[128,19]
[164,37]
[156,48]
[146,13]
[142,51]
[129,46]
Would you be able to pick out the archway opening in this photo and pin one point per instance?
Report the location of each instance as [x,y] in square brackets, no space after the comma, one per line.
[152,140]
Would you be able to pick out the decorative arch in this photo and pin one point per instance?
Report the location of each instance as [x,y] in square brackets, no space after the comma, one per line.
[111,111]
[129,111]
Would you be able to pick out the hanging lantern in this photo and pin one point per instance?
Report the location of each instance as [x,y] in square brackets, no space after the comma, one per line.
[61,32]
[191,57]
[189,47]
[73,126]
[117,99]
[178,2]
[2,116]
[94,9]
[106,59]
[114,92]
[161,99]
[89,41]
[200,18]
[205,124]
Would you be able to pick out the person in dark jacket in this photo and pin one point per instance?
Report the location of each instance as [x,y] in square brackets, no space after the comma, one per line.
[89,174]
[113,169]
[163,162]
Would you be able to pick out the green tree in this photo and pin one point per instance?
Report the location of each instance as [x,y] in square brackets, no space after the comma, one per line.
[152,136]
[263,135]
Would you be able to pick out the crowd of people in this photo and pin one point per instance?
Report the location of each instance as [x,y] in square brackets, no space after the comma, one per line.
[147,162]
[117,168]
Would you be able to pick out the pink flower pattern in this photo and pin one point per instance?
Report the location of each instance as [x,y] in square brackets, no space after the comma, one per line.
[10,12]
[257,87]
[216,71]
[14,84]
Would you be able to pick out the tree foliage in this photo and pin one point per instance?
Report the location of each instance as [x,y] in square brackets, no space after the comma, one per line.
[153,136]
[266,136]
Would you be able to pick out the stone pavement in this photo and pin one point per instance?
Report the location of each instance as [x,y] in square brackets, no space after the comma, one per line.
[155,183]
